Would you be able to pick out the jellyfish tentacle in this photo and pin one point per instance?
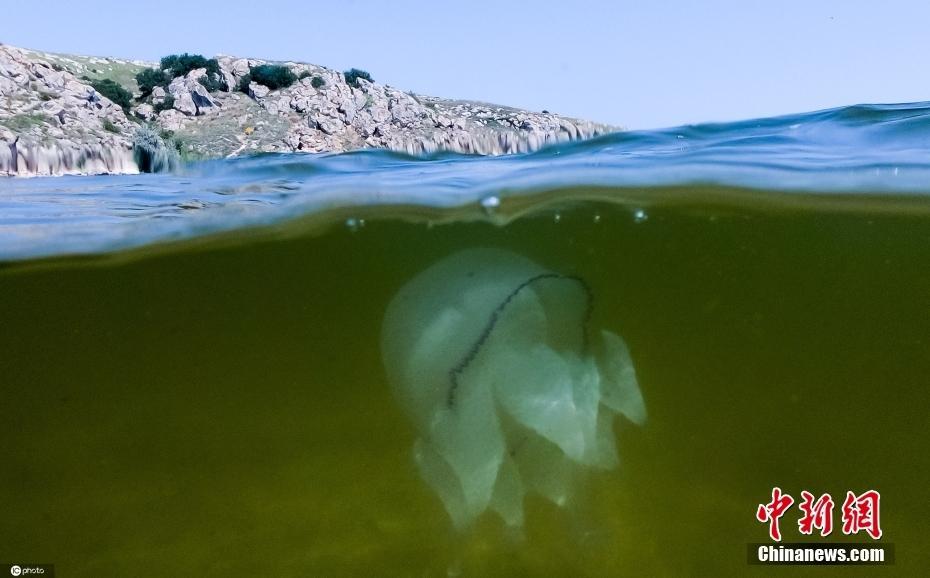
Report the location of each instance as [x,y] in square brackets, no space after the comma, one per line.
[507,499]
[472,442]
[440,476]
[620,388]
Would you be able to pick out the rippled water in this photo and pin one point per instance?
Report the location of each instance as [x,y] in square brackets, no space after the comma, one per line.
[862,151]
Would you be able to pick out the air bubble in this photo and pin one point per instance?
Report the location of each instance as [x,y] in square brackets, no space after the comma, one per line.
[557,217]
[354,224]
[489,204]
[640,215]
[597,219]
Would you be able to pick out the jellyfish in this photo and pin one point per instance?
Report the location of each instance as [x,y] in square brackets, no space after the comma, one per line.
[492,358]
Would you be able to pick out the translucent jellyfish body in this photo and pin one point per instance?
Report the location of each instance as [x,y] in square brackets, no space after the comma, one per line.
[491,356]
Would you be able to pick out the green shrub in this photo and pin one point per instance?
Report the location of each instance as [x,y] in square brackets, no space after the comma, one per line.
[353,74]
[181,64]
[212,82]
[166,104]
[317,82]
[114,92]
[303,75]
[24,122]
[244,83]
[150,78]
[109,126]
[273,76]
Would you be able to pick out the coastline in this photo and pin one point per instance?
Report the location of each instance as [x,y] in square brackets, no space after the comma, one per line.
[53,121]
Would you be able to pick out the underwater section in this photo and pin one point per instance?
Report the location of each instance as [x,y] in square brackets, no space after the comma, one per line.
[228,408]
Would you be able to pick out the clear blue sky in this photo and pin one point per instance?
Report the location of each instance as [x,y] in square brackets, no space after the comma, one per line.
[640,64]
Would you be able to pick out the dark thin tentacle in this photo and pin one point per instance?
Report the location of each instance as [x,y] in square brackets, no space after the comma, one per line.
[460,367]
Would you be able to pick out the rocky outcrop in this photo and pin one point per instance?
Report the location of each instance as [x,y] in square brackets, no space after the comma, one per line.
[52,122]
[335,116]
[190,97]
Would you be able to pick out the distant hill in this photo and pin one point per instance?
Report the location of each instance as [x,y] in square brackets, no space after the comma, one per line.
[64,114]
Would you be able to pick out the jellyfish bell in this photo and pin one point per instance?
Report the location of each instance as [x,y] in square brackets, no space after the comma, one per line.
[491,357]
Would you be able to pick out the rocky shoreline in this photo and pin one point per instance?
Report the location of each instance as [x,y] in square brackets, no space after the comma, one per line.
[54,122]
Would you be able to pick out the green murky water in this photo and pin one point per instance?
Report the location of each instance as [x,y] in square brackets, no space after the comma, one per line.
[222,409]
